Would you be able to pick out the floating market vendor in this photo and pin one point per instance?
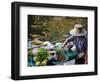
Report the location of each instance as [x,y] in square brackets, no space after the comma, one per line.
[79,37]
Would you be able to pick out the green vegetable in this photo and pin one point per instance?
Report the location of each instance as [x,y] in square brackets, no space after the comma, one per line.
[30,53]
[42,57]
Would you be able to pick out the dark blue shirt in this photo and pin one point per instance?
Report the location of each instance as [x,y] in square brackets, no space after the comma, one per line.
[80,43]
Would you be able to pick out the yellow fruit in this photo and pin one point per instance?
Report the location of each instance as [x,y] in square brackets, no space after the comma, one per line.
[37,63]
[34,58]
[44,62]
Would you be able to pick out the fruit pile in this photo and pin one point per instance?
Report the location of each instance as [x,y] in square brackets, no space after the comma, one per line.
[42,57]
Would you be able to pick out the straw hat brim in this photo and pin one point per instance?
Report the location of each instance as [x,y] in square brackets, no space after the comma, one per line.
[75,33]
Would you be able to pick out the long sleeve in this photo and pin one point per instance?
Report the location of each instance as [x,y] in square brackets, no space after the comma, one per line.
[69,39]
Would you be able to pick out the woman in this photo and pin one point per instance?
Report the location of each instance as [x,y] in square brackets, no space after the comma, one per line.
[79,37]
